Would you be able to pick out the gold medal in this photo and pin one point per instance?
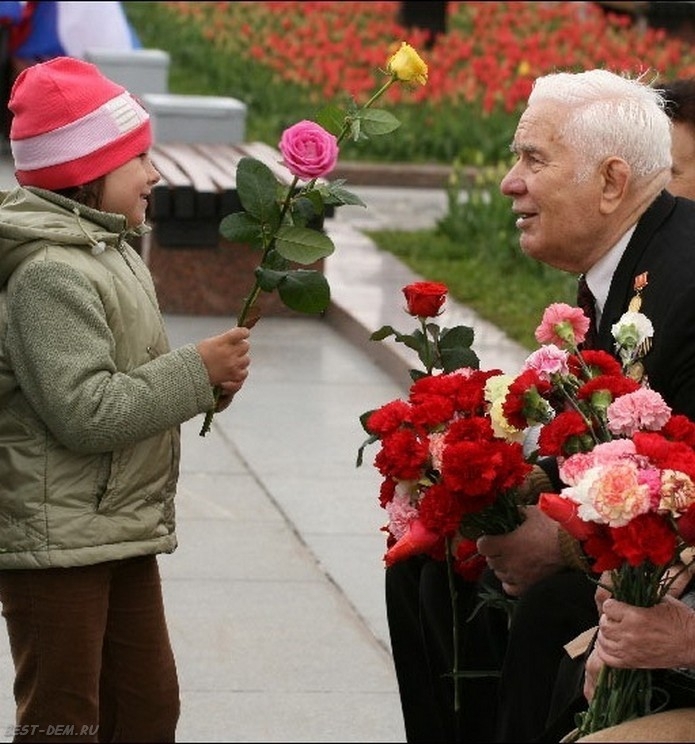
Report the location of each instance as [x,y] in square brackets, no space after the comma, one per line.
[636,371]
[641,281]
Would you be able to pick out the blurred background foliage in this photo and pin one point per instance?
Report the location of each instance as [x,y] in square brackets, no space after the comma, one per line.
[286,60]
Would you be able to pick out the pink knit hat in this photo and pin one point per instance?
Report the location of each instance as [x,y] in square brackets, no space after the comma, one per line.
[72,124]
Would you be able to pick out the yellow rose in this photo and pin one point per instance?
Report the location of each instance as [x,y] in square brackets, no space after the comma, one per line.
[407,66]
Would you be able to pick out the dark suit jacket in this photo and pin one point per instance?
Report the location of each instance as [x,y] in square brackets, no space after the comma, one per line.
[663,245]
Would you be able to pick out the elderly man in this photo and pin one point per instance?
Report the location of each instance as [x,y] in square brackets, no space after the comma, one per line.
[588,186]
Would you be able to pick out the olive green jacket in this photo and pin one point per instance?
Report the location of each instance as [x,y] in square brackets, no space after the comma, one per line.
[91,396]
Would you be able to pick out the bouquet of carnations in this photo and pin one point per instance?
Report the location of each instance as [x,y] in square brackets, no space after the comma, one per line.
[628,468]
[451,466]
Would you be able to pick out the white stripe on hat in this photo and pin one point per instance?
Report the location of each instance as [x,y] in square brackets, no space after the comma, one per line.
[101,127]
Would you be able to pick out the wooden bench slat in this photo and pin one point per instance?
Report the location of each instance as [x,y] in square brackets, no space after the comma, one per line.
[190,163]
[223,173]
[168,169]
[270,157]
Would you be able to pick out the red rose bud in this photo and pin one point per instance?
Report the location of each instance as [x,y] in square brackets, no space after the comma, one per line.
[418,539]
[425,299]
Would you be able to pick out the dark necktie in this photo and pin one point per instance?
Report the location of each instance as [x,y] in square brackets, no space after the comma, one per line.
[586,301]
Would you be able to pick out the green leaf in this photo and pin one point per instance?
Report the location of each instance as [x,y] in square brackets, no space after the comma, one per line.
[383,332]
[240,227]
[273,260]
[268,279]
[336,195]
[461,336]
[305,291]
[257,189]
[376,122]
[373,438]
[331,118]
[302,244]
[307,208]
[453,359]
[455,348]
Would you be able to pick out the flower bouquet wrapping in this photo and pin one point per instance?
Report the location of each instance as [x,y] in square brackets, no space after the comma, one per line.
[285,223]
[628,468]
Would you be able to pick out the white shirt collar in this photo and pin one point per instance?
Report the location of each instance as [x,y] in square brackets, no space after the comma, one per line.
[600,275]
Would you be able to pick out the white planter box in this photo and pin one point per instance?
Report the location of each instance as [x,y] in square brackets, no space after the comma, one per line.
[138,71]
[196,119]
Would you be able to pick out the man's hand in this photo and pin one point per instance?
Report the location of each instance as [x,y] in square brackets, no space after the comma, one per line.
[528,554]
[658,637]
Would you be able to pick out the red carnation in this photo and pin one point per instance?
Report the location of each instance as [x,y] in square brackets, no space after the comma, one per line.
[646,537]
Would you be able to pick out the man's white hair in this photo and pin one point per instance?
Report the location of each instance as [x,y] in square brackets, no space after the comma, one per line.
[611,115]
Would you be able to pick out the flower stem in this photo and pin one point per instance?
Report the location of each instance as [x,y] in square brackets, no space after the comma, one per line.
[455,624]
[428,359]
[348,119]
[251,298]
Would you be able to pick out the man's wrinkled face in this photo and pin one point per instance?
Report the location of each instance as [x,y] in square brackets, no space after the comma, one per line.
[555,193]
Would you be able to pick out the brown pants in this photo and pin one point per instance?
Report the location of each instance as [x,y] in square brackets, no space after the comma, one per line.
[93,661]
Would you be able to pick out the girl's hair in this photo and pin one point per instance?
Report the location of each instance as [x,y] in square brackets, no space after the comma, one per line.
[90,194]
[609,114]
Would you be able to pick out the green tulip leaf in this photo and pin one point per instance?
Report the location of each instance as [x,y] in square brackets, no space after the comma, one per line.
[305,291]
[302,244]
[257,188]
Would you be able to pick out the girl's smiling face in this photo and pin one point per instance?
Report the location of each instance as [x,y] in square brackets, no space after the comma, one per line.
[127,189]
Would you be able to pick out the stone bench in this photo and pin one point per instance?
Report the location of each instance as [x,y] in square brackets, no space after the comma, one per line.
[196,271]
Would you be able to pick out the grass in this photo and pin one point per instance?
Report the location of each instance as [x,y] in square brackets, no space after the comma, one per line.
[510,294]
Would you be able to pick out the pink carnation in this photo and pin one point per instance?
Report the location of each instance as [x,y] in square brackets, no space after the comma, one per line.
[546,361]
[643,409]
[308,150]
[401,513]
[573,469]
[618,494]
[559,320]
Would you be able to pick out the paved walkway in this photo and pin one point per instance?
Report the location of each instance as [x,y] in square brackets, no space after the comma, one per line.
[275,594]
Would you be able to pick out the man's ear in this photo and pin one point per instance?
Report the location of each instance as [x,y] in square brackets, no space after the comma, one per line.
[615,175]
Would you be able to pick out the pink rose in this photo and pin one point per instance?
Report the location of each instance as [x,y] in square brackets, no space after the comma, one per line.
[308,150]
